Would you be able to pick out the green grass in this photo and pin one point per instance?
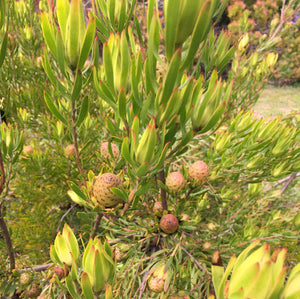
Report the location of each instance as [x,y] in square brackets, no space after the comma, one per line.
[277,101]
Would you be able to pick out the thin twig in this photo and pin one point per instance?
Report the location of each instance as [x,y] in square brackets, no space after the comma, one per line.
[143,285]
[128,203]
[287,179]
[136,273]
[39,268]
[3,225]
[195,261]
[96,225]
[163,193]
[224,233]
[63,217]
[291,178]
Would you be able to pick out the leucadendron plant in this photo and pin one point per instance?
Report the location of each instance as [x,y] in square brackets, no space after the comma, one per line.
[155,101]
[85,276]
[70,45]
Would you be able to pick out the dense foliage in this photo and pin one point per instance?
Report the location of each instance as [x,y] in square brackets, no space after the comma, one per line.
[100,142]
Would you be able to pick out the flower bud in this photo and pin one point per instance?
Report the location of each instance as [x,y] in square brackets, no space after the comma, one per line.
[98,264]
[65,246]
[271,59]
[243,42]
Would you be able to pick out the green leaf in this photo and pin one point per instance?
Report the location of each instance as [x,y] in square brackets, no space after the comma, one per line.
[2,16]
[77,86]
[143,169]
[100,270]
[76,189]
[84,110]
[150,11]
[111,10]
[120,192]
[122,18]
[86,286]
[149,82]
[51,106]
[108,291]
[144,188]
[218,113]
[153,44]
[146,106]
[162,156]
[72,288]
[217,275]
[103,31]
[171,77]
[48,33]
[229,267]
[77,199]
[125,60]
[108,66]
[87,42]
[111,126]
[171,23]
[200,30]
[122,104]
[60,52]
[63,9]
[54,257]
[104,91]
[186,139]
[74,33]
[3,48]
[125,151]
[135,75]
[138,30]
[51,75]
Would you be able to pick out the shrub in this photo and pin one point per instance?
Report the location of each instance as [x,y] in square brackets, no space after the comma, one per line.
[157,97]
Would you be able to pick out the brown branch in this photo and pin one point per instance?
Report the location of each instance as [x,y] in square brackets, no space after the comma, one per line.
[129,202]
[96,225]
[163,194]
[63,217]
[3,225]
[7,241]
[285,180]
[39,268]
[145,276]
[193,258]
[289,181]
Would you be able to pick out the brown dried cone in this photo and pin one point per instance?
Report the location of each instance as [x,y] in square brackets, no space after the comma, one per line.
[157,280]
[169,224]
[70,150]
[199,172]
[102,192]
[34,291]
[175,181]
[60,272]
[105,154]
